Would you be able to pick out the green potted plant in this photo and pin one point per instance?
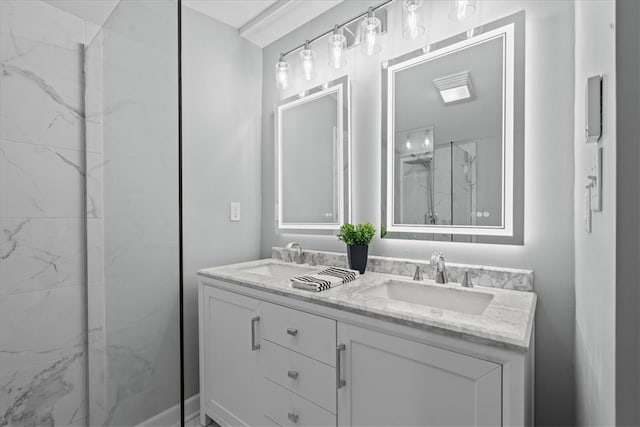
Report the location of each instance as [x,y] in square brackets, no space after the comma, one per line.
[357,239]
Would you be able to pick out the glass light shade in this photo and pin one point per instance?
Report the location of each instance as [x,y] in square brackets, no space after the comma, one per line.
[337,48]
[308,62]
[462,9]
[282,73]
[412,19]
[427,142]
[371,27]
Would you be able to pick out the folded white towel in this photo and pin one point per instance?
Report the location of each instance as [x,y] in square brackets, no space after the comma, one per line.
[326,279]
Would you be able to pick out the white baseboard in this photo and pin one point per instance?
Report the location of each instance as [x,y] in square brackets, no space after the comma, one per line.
[171,417]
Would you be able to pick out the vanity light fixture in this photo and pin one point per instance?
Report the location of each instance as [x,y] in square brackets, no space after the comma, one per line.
[408,143]
[462,9]
[454,88]
[282,72]
[337,48]
[308,62]
[412,19]
[371,27]
[364,29]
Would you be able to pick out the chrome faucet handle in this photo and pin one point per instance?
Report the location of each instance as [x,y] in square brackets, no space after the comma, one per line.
[466,281]
[437,260]
[297,246]
[418,274]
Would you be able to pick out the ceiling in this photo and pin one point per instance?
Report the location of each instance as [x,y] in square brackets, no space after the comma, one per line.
[232,12]
[259,21]
[262,21]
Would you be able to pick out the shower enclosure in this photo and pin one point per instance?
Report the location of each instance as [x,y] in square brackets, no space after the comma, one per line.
[438,185]
[133,216]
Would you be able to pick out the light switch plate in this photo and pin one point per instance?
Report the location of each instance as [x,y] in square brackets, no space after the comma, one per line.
[595,177]
[234,211]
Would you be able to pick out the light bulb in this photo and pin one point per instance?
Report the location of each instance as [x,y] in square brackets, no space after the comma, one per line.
[462,9]
[337,46]
[427,142]
[307,62]
[412,19]
[408,143]
[371,30]
[282,73]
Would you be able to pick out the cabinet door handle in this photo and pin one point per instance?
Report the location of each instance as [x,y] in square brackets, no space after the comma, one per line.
[292,417]
[254,321]
[292,374]
[292,332]
[339,381]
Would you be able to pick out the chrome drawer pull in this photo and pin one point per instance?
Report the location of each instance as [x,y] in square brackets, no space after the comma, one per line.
[254,346]
[292,332]
[339,381]
[292,417]
[292,374]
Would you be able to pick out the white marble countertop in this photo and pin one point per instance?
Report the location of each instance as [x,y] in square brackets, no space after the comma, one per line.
[507,321]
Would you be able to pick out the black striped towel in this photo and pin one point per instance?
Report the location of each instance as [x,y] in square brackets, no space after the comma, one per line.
[326,279]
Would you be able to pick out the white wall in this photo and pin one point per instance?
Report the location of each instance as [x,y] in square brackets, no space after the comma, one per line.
[548,241]
[222,82]
[42,281]
[595,253]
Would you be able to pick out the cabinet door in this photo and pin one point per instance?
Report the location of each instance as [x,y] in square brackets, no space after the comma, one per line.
[232,374]
[391,381]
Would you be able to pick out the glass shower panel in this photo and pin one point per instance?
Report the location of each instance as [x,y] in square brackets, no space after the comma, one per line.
[131,71]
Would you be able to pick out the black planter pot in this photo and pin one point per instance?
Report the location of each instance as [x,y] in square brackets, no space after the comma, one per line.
[357,256]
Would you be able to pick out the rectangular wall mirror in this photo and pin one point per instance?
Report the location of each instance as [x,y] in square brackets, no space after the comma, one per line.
[313,159]
[452,138]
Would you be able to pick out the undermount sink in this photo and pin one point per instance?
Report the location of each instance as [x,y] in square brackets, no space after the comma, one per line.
[280,271]
[471,302]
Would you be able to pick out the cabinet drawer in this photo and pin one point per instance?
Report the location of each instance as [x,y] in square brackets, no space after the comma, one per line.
[307,377]
[305,333]
[289,409]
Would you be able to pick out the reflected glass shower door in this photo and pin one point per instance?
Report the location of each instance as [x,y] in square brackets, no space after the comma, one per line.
[132,126]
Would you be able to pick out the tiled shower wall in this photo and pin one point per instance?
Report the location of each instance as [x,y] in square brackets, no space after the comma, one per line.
[42,246]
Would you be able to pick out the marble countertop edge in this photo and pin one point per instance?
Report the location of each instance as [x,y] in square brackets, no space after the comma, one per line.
[506,323]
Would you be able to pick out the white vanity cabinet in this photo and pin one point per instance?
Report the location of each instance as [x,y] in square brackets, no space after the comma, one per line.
[264,364]
[393,381]
[229,359]
[268,359]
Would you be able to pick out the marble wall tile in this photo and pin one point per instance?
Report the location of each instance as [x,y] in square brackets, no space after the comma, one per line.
[40,327]
[39,181]
[97,357]
[41,254]
[31,110]
[48,394]
[42,206]
[41,22]
[95,251]
[94,185]
[48,62]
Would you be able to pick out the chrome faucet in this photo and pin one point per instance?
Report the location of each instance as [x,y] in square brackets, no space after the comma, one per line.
[417,275]
[298,257]
[437,260]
